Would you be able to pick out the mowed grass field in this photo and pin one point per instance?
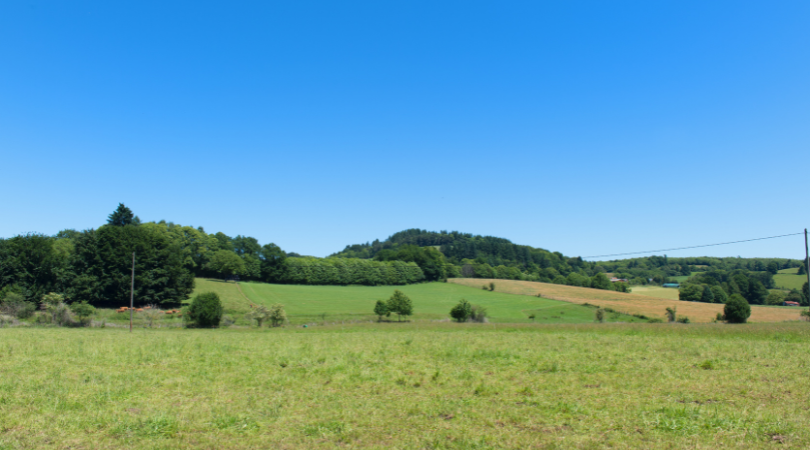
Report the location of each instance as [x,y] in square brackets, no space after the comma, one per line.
[431,301]
[416,385]
[630,302]
[656,291]
[788,279]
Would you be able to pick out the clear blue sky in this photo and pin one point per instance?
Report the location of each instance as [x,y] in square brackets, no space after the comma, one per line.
[581,127]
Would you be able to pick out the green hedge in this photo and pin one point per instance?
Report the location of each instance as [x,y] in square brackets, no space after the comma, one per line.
[342,271]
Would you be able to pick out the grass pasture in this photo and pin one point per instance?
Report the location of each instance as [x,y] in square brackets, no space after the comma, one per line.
[629,302]
[788,279]
[432,301]
[435,385]
[656,291]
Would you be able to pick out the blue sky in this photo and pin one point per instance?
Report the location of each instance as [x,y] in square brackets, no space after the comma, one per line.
[581,127]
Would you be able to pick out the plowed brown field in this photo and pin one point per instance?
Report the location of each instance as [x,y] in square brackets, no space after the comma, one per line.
[628,303]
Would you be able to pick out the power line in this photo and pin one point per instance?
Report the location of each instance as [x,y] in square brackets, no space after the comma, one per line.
[694,246]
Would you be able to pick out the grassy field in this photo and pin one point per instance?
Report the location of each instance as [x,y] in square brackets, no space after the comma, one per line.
[788,279]
[630,303]
[432,301]
[417,385]
[656,291]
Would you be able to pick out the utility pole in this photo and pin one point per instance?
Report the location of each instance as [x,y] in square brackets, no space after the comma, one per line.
[132,292]
[807,261]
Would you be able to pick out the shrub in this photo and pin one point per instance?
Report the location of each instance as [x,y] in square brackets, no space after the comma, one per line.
[737,309]
[600,315]
[671,314]
[259,314]
[461,312]
[152,314]
[277,315]
[655,320]
[381,309]
[491,286]
[227,320]
[484,287]
[59,312]
[531,317]
[682,319]
[205,310]
[83,310]
[720,317]
[478,314]
[806,315]
[14,304]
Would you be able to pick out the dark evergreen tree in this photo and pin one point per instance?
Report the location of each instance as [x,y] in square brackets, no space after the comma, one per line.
[121,216]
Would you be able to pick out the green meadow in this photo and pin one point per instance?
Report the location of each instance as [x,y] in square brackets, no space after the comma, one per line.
[788,279]
[432,301]
[417,385]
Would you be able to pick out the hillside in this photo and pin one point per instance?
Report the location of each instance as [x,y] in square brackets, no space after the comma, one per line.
[629,303]
[432,301]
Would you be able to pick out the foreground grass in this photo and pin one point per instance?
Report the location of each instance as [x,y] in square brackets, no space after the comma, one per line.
[411,386]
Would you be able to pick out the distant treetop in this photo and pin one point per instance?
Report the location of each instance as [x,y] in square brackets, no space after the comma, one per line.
[122,216]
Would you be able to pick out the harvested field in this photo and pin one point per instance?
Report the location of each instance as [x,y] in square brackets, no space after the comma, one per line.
[628,303]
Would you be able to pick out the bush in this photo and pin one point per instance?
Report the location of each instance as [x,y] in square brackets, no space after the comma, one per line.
[600,315]
[83,310]
[671,314]
[492,286]
[226,321]
[478,314]
[14,304]
[277,315]
[737,309]
[655,320]
[152,314]
[531,317]
[259,314]
[205,310]
[461,312]
[806,315]
[682,319]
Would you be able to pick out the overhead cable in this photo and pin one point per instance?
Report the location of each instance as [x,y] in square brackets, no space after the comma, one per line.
[694,246]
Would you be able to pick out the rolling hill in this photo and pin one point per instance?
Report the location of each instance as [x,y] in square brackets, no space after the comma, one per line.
[628,302]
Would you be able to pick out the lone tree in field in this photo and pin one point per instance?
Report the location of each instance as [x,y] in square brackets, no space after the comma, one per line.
[400,305]
[277,315]
[600,315]
[206,310]
[381,309]
[737,309]
[461,312]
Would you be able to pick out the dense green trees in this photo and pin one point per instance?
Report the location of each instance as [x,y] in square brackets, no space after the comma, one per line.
[226,264]
[714,286]
[343,271]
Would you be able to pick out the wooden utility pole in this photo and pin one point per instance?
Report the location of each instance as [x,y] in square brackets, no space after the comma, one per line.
[132,292]
[807,261]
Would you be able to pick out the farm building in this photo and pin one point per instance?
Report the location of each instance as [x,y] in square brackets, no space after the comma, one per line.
[790,304]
